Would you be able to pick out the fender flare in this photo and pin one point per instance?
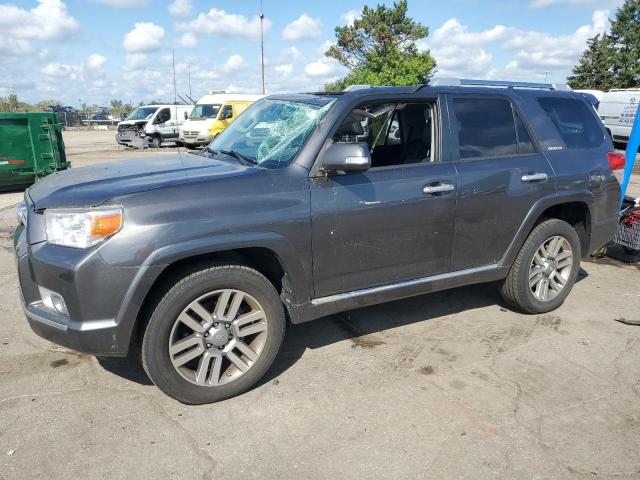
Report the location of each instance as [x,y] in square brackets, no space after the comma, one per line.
[534,214]
[157,262]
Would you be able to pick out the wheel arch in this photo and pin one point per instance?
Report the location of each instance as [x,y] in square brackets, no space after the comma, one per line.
[278,266]
[575,209]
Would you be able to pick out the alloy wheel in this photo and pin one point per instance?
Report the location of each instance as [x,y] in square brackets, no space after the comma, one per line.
[550,268]
[218,337]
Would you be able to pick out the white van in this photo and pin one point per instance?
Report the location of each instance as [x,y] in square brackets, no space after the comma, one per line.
[198,129]
[618,111]
[150,125]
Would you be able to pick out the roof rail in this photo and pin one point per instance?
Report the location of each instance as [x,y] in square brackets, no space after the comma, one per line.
[456,82]
[350,88]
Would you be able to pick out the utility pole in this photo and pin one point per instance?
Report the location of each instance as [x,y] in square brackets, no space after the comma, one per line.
[262,45]
[546,74]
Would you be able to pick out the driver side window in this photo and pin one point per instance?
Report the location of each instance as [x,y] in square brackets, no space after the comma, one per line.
[395,133]
[163,116]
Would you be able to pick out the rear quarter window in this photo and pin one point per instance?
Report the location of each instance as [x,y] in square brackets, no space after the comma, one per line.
[575,121]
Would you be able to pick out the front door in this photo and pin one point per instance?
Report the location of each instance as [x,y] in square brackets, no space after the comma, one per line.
[501,174]
[393,222]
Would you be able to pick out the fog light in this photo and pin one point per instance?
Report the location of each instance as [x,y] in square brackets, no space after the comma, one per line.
[53,301]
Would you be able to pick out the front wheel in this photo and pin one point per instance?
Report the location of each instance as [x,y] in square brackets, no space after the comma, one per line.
[214,334]
[155,142]
[545,269]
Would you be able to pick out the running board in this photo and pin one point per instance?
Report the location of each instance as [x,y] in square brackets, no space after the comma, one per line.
[319,307]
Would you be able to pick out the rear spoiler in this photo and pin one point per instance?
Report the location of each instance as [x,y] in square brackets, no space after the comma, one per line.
[592,99]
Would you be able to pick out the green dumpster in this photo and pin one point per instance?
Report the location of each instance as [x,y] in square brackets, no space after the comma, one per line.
[31,147]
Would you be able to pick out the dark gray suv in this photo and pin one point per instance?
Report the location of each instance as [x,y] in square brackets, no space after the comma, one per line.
[309,205]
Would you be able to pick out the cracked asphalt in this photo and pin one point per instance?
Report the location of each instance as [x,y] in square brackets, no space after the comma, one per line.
[447,385]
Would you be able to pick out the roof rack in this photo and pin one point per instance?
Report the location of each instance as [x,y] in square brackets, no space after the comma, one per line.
[457,82]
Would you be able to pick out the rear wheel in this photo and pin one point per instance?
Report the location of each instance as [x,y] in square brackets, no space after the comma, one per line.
[545,269]
[214,334]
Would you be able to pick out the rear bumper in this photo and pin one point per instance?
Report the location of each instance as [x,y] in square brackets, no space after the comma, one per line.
[602,233]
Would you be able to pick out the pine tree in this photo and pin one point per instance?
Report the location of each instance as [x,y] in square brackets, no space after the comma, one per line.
[625,43]
[380,49]
[594,69]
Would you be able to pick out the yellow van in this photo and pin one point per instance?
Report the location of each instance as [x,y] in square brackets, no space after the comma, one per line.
[227,115]
[206,119]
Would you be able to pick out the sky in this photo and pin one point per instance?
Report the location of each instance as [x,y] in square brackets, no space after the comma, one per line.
[92,51]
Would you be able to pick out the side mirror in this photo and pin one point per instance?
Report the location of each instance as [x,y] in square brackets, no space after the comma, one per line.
[186,115]
[347,157]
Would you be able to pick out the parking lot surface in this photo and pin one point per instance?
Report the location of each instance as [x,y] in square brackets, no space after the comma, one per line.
[447,385]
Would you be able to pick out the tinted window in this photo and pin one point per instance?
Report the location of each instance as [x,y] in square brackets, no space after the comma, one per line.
[525,145]
[575,121]
[163,116]
[485,127]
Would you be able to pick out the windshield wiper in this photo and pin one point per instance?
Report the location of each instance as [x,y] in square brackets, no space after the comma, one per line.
[239,156]
[232,153]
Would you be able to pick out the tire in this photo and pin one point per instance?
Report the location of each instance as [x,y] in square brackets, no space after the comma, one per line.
[164,331]
[517,290]
[155,142]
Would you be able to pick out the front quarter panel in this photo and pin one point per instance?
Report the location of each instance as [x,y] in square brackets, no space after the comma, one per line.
[264,208]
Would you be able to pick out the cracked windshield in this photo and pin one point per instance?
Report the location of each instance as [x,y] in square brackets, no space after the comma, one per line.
[270,133]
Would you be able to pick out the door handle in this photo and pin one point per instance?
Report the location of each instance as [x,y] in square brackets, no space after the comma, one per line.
[535,177]
[441,188]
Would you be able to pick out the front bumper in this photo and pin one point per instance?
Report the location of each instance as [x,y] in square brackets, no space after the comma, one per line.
[130,139]
[95,324]
[195,139]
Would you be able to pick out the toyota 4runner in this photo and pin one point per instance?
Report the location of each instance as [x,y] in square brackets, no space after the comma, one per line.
[312,204]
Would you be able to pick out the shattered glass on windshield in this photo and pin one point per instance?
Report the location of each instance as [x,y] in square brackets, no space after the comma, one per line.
[272,132]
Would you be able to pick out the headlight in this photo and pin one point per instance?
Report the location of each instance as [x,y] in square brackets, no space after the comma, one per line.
[21,213]
[82,228]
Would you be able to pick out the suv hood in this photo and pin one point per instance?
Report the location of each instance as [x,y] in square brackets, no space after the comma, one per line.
[90,186]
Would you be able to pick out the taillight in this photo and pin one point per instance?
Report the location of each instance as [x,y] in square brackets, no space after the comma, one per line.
[616,160]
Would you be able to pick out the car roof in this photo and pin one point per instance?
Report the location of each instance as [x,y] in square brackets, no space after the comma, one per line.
[444,85]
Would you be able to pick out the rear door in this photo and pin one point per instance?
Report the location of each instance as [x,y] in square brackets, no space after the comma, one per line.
[501,174]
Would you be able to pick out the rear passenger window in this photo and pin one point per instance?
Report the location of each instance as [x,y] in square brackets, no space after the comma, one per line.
[575,121]
[485,127]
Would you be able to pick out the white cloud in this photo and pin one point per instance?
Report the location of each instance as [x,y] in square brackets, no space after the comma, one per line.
[134,61]
[453,32]
[61,70]
[234,63]
[49,20]
[14,47]
[95,61]
[145,37]
[322,67]
[219,22]
[188,40]
[349,17]
[303,27]
[292,53]
[181,8]
[462,52]
[285,69]
[124,3]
